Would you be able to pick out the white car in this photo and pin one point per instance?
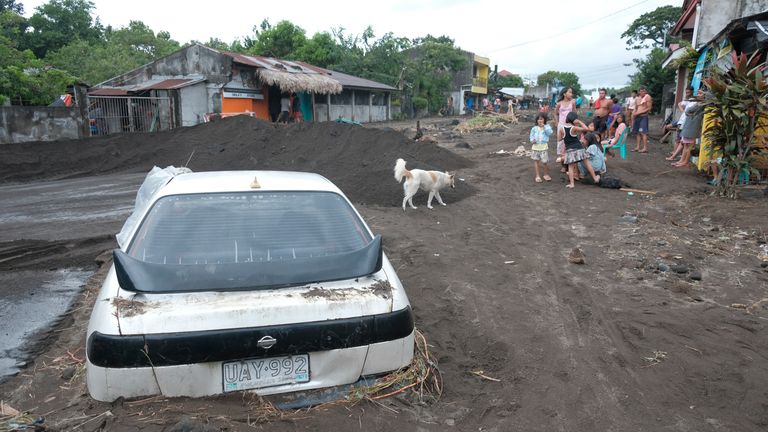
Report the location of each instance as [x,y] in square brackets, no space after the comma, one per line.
[245,280]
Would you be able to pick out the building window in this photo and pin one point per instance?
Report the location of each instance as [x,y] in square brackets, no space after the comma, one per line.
[379,99]
[343,98]
[321,98]
[362,97]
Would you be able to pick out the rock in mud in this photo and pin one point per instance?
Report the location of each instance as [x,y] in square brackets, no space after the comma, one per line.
[576,256]
[679,268]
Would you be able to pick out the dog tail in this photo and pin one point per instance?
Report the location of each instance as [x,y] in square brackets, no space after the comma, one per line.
[400,171]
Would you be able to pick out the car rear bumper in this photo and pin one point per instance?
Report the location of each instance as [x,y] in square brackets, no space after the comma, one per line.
[327,368]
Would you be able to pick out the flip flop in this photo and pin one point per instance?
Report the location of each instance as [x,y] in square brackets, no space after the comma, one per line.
[569,186]
[547,178]
[633,150]
[538,180]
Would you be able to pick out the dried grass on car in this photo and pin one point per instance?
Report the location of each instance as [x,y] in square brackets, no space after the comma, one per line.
[421,379]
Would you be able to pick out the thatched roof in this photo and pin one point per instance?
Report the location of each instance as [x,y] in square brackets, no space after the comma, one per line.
[300,82]
[287,75]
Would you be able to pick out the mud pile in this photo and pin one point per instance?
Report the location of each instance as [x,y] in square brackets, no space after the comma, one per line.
[357,159]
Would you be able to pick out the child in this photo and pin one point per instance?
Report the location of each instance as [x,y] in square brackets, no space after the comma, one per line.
[540,139]
[565,104]
[574,151]
[595,156]
[619,126]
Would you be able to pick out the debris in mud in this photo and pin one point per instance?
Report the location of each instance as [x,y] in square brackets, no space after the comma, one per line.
[488,122]
[576,256]
[656,358]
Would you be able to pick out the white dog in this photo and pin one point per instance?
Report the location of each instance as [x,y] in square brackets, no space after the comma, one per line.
[428,181]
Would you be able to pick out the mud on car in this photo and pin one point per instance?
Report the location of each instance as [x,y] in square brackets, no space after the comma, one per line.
[244,280]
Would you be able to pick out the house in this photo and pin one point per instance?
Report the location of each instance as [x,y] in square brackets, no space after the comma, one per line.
[197,83]
[715,28]
[472,82]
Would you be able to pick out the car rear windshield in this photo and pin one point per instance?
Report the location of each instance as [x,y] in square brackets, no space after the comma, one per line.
[243,227]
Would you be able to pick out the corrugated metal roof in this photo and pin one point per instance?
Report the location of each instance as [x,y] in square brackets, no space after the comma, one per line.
[157,83]
[351,81]
[270,63]
[108,91]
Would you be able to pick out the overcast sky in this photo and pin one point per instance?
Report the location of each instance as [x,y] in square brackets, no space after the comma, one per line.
[522,36]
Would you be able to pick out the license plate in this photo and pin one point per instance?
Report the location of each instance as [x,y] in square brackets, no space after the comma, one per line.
[265,372]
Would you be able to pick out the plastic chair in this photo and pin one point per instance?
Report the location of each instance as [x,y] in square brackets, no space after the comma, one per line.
[621,144]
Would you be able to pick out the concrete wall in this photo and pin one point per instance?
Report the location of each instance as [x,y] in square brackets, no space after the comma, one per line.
[195,59]
[753,7]
[717,14]
[22,123]
[194,104]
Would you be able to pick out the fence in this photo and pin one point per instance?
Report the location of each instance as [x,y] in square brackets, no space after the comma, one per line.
[118,114]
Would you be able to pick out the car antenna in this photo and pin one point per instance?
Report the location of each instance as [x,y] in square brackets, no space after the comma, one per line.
[186,165]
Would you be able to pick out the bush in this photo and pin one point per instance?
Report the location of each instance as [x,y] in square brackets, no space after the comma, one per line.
[736,100]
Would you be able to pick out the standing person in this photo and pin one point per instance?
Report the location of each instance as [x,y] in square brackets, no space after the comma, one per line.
[285,108]
[565,105]
[694,112]
[640,124]
[630,103]
[591,102]
[603,106]
[539,138]
[497,104]
[680,123]
[511,105]
[296,108]
[469,105]
[574,151]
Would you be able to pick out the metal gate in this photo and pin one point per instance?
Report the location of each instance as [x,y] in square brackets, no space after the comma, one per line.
[118,114]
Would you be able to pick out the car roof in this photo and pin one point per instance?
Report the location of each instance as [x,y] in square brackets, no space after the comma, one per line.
[241,181]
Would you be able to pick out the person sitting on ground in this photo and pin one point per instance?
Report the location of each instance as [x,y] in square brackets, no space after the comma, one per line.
[539,138]
[619,126]
[574,150]
[596,158]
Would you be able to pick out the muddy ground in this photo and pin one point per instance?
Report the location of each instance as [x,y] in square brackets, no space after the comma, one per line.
[663,328]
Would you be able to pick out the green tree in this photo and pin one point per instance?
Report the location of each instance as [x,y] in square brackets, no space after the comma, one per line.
[12,26]
[560,79]
[510,81]
[124,49]
[59,22]
[651,75]
[428,71]
[649,30]
[278,41]
[320,50]
[11,5]
[30,82]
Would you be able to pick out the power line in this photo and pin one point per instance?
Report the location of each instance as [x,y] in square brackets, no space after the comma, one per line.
[569,30]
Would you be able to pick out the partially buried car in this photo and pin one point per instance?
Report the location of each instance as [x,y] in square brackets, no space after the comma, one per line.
[245,280]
